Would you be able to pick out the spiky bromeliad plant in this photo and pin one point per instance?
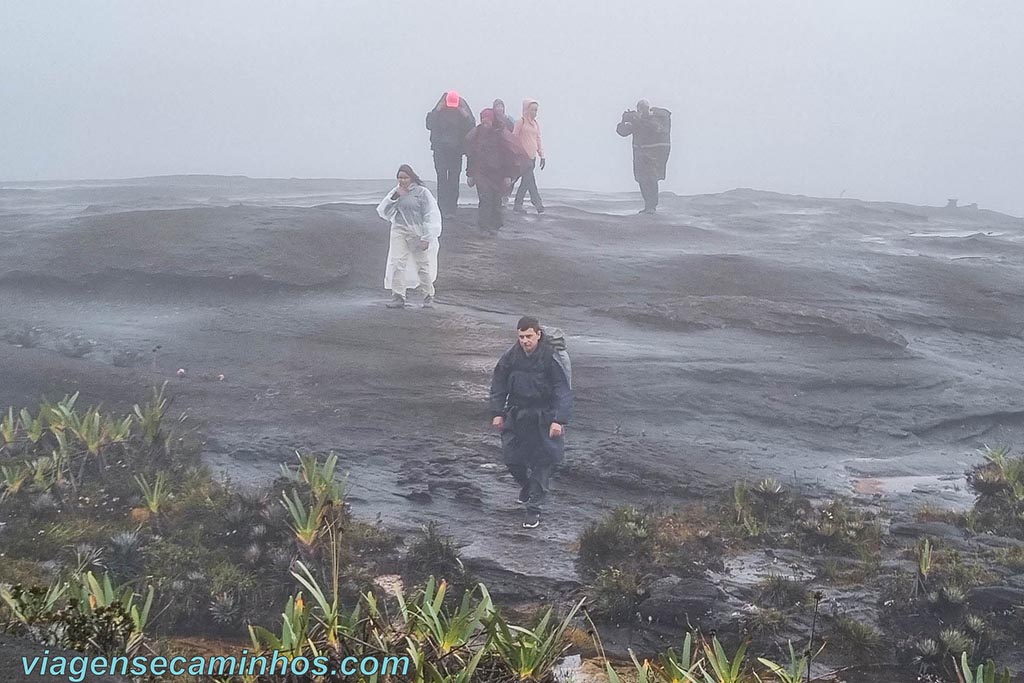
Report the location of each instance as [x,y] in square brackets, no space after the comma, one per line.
[795,671]
[151,416]
[306,521]
[529,653]
[156,494]
[426,617]
[321,478]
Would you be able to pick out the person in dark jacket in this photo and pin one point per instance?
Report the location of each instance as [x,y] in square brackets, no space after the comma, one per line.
[651,128]
[502,115]
[449,122]
[531,403]
[495,159]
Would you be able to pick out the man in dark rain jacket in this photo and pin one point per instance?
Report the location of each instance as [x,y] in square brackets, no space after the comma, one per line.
[531,403]
[651,128]
[449,122]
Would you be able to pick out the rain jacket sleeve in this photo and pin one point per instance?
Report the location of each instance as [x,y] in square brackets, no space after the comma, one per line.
[427,224]
[388,207]
[625,128]
[471,150]
[431,225]
[561,395]
[499,384]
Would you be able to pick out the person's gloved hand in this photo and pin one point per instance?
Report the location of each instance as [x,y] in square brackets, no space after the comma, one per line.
[424,244]
[543,163]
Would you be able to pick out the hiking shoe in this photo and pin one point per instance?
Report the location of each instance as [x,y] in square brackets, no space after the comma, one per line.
[532,520]
[397,301]
[524,495]
[540,209]
[428,301]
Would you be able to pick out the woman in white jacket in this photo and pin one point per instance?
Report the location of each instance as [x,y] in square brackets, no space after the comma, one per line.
[415,228]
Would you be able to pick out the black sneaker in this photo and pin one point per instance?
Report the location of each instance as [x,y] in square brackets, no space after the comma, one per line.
[532,520]
[428,301]
[397,301]
[524,495]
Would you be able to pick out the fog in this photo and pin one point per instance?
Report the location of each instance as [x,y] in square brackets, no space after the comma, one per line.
[906,101]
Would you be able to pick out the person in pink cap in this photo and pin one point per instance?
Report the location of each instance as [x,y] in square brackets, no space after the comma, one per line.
[449,122]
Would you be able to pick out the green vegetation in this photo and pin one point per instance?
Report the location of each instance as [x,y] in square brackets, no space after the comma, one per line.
[116,539]
[615,595]
[780,591]
[999,486]
[434,554]
[857,638]
[84,490]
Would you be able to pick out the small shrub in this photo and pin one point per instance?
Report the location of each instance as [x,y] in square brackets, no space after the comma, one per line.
[434,554]
[955,642]
[842,528]
[1011,558]
[625,536]
[780,591]
[615,595]
[999,485]
[857,637]
[931,513]
[764,622]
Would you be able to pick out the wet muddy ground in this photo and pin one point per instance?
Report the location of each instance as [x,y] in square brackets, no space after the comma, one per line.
[836,345]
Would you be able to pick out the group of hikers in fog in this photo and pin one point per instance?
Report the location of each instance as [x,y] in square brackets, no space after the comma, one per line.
[531,397]
[499,152]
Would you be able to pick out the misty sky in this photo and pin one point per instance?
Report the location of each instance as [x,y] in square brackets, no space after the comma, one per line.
[910,101]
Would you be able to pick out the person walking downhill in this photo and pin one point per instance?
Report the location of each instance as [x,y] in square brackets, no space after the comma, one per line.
[531,403]
[415,229]
[527,130]
[494,160]
[502,115]
[449,122]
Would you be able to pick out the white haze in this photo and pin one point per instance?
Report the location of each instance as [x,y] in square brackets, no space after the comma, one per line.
[912,101]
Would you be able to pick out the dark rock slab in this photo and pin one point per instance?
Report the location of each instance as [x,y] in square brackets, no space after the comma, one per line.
[996,598]
[679,601]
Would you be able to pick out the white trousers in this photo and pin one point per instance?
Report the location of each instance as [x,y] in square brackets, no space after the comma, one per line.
[410,266]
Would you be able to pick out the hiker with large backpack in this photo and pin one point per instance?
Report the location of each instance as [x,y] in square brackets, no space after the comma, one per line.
[531,403]
[651,128]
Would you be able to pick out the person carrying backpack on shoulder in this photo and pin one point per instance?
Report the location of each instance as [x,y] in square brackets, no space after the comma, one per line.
[531,403]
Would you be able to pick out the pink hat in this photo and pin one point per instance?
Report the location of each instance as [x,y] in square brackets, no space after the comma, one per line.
[451,99]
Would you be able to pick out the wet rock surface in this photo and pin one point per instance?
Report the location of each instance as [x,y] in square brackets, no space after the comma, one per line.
[675,601]
[839,346]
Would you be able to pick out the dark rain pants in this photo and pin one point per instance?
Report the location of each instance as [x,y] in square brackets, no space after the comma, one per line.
[448,164]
